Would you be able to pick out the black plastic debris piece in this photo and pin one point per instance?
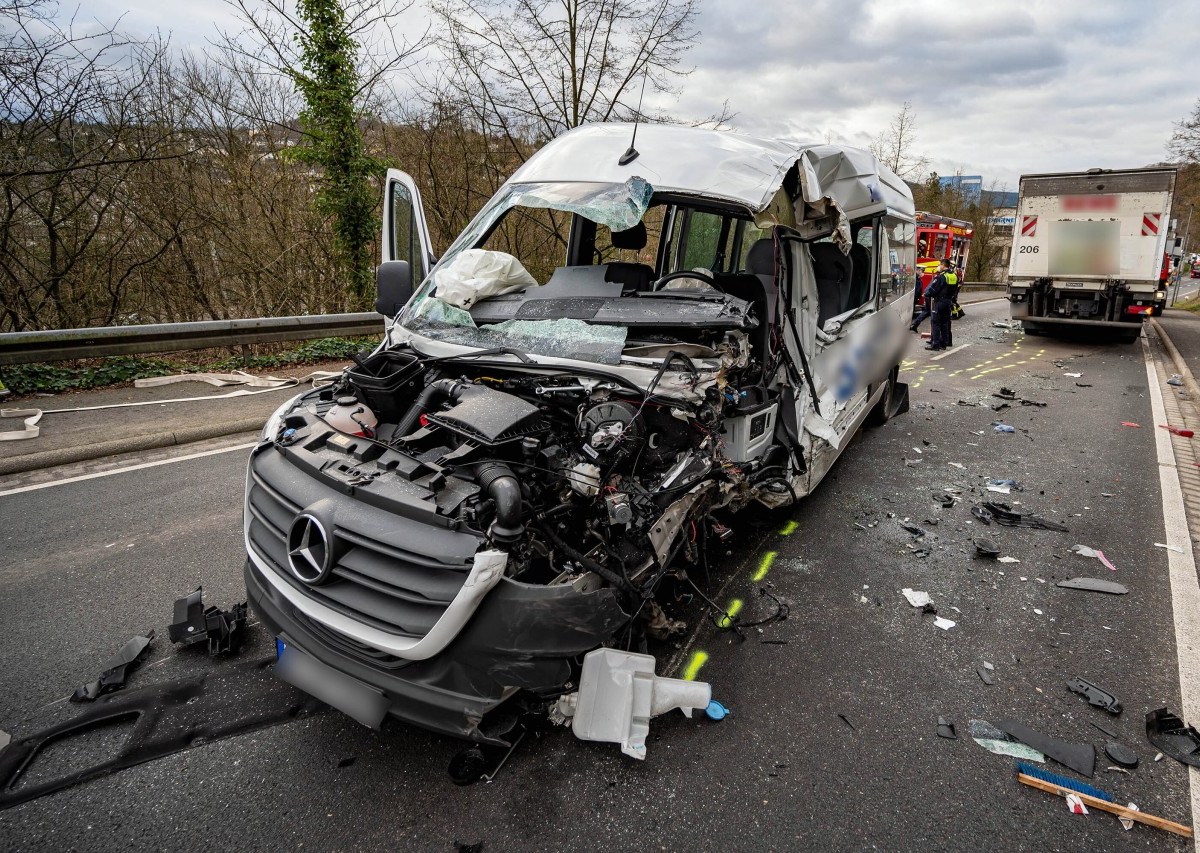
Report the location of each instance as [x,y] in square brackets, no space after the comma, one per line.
[943,498]
[987,548]
[1006,394]
[1033,403]
[982,514]
[985,676]
[846,720]
[1005,515]
[1104,729]
[1173,736]
[1097,697]
[945,728]
[1082,385]
[1080,757]
[164,719]
[347,761]
[1121,754]
[1094,585]
[116,669]
[914,529]
[195,622]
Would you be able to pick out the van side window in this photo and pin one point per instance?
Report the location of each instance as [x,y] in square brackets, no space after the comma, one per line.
[897,271]
[862,259]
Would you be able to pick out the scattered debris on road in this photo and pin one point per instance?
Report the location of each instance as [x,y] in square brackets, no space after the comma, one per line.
[1094,585]
[945,728]
[1122,754]
[1005,515]
[1173,736]
[116,669]
[194,622]
[1085,551]
[1179,431]
[916,597]
[1131,424]
[1097,696]
[999,743]
[619,693]
[1002,427]
[1063,786]
[1176,380]
[1174,548]
[987,548]
[1080,757]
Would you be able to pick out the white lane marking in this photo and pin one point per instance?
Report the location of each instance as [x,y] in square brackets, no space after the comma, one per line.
[137,467]
[1185,589]
[949,352]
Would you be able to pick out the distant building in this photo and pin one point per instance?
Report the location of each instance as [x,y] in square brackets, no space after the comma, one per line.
[970,186]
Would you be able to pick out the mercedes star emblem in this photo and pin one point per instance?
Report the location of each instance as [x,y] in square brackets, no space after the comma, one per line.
[310,555]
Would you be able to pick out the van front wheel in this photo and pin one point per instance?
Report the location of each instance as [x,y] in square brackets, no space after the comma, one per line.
[882,411]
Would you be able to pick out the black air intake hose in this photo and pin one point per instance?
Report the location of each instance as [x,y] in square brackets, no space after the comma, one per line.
[433,394]
[502,486]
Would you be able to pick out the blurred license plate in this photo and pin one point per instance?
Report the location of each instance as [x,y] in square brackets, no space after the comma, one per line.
[351,697]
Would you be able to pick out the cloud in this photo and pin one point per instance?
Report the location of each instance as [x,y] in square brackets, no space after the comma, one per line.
[1000,87]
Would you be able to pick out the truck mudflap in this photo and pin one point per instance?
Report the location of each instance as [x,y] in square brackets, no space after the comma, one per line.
[522,639]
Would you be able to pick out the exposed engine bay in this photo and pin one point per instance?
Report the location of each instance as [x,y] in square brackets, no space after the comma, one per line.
[571,473]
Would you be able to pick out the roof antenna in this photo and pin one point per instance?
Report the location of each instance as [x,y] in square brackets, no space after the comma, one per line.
[631,153]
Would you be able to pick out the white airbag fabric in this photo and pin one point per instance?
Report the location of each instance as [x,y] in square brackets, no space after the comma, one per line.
[476,274]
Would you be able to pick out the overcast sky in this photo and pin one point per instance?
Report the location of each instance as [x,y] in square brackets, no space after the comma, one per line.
[1000,87]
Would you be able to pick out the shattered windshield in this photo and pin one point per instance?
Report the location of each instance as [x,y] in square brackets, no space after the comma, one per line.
[523,232]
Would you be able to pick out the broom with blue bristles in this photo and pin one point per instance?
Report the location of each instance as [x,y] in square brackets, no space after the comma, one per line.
[1053,783]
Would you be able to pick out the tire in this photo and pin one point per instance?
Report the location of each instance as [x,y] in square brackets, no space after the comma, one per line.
[879,416]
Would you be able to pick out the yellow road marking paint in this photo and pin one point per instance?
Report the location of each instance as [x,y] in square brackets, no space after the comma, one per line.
[788,529]
[764,566]
[734,608]
[699,658]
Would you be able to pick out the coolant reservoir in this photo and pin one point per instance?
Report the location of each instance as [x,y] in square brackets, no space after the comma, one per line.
[350,415]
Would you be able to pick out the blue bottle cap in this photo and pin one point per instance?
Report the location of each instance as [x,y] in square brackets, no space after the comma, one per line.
[716,711]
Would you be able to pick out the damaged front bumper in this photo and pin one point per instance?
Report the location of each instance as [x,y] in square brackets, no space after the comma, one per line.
[522,639]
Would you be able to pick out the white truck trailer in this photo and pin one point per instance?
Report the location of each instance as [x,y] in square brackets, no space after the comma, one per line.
[1088,250]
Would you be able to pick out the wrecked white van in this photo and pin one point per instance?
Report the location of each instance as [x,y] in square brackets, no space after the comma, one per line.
[625,348]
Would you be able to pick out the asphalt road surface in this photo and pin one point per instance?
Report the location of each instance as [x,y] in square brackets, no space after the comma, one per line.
[832,741]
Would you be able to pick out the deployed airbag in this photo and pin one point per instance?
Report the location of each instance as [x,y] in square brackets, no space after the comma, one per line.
[476,274]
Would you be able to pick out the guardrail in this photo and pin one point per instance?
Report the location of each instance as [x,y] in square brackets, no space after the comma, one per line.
[62,344]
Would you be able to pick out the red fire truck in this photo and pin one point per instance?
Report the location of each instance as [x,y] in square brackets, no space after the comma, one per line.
[938,238]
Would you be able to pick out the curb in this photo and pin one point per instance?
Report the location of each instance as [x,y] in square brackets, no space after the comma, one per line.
[1189,381]
[130,444]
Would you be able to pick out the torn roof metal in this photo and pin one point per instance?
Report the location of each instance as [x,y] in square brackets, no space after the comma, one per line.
[720,164]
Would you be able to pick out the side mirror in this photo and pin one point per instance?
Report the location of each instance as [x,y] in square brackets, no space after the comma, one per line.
[394,287]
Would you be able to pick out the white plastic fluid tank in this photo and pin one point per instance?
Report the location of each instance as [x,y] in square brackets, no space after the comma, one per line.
[350,415]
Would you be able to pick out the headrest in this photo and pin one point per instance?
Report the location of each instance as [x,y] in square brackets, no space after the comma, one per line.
[631,238]
[760,260]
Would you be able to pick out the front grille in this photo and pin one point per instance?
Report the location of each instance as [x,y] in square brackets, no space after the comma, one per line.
[382,584]
[347,646]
